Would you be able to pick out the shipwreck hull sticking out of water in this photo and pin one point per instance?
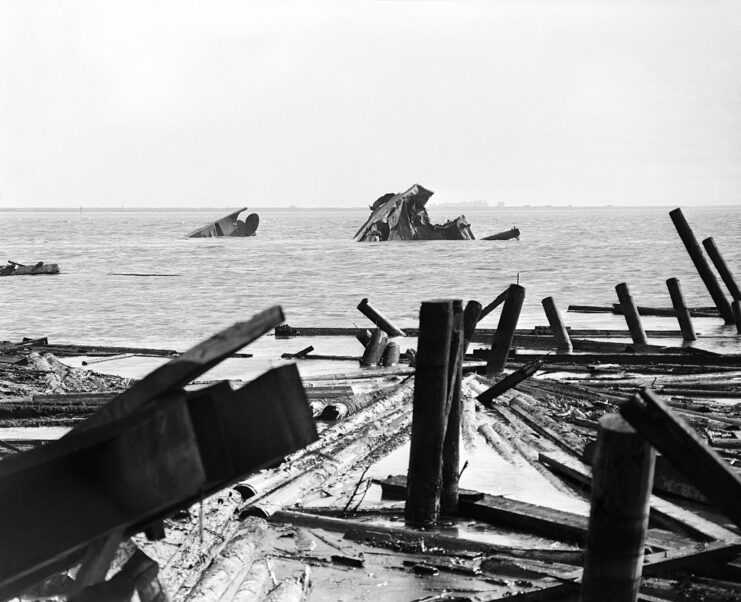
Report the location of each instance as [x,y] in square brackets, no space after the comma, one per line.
[404,217]
[18,269]
[229,225]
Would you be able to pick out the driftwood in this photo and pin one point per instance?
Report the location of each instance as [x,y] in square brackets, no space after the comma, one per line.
[225,575]
[347,406]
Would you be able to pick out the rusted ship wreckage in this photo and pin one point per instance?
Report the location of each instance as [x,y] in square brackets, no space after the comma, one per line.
[404,217]
[18,269]
[229,225]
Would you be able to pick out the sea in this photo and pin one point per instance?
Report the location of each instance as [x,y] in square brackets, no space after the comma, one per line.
[133,278]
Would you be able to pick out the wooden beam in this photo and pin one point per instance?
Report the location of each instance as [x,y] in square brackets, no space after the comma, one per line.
[140,468]
[682,446]
[666,513]
[181,370]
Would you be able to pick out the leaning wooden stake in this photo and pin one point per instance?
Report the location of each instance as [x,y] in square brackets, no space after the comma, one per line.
[631,315]
[682,446]
[563,340]
[379,319]
[430,413]
[451,445]
[621,490]
[505,333]
[722,267]
[737,315]
[374,349]
[703,268]
[500,298]
[683,314]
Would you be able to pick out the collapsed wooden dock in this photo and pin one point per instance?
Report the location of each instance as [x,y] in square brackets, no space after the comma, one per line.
[270,485]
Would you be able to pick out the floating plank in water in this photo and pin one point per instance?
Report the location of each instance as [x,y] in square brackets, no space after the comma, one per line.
[135,274]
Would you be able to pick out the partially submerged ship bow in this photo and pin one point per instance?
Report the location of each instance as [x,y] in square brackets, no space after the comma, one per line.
[404,217]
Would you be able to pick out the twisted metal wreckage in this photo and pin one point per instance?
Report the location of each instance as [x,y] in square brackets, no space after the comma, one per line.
[404,217]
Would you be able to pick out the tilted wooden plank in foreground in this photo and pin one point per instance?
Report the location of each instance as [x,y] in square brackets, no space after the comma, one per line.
[181,370]
[126,474]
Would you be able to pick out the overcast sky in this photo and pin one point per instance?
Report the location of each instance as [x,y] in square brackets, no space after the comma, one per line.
[334,103]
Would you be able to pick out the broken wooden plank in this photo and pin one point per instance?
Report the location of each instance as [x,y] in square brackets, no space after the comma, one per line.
[132,471]
[683,447]
[181,370]
[509,381]
[668,514]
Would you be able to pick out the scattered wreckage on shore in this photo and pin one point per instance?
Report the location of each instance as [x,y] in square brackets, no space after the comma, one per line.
[403,216]
[168,488]
[229,225]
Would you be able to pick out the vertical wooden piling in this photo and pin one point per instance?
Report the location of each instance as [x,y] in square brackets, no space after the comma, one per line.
[703,268]
[722,267]
[737,315]
[379,319]
[374,349]
[471,317]
[451,444]
[391,354]
[560,334]
[683,314]
[621,490]
[505,333]
[429,413]
[630,311]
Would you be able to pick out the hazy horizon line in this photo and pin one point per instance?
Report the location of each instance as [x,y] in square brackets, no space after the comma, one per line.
[229,209]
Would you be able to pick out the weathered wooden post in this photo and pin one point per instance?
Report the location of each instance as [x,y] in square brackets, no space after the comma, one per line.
[621,490]
[630,311]
[374,349]
[429,413]
[683,314]
[471,317]
[505,333]
[560,334]
[737,315]
[391,354]
[703,268]
[451,444]
[379,319]
[364,336]
[722,267]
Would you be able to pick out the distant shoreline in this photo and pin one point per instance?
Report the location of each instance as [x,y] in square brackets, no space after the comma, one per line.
[432,206]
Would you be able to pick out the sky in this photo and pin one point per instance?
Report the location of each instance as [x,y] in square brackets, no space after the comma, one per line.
[325,103]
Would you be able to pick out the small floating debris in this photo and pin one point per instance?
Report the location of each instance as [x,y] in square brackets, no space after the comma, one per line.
[506,235]
[143,275]
[229,225]
[18,269]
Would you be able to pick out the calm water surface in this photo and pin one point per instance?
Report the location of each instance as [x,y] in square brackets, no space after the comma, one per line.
[306,262]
